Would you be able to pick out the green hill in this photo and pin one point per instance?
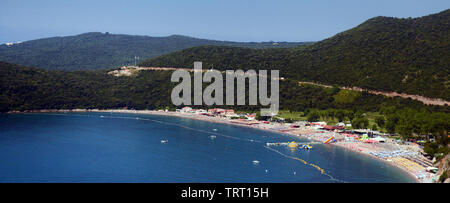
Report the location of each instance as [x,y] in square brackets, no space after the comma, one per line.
[91,51]
[388,54]
[25,88]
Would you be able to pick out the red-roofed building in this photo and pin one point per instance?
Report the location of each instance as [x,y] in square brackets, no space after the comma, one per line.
[216,111]
[327,127]
[251,117]
[229,112]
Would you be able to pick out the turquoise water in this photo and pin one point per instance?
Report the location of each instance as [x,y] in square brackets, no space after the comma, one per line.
[112,147]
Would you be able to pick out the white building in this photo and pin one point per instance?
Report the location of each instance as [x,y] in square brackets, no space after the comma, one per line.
[200,111]
[186,109]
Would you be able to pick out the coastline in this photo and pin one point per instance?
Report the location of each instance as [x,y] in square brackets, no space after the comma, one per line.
[390,163]
[214,120]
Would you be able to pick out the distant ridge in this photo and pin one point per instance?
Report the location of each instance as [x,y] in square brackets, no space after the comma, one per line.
[95,50]
[403,55]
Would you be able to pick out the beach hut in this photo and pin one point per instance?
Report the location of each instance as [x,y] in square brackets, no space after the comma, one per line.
[251,117]
[229,112]
[331,128]
[318,123]
[201,111]
[186,109]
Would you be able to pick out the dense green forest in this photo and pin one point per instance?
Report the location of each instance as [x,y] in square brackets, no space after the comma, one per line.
[91,51]
[388,54]
[23,88]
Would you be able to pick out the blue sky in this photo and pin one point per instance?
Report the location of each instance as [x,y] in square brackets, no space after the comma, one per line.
[235,20]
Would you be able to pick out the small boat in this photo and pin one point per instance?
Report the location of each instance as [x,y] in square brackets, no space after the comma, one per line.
[214,129]
[164,141]
[212,137]
[255,162]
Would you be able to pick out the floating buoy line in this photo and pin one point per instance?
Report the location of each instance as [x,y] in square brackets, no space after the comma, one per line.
[322,171]
[213,136]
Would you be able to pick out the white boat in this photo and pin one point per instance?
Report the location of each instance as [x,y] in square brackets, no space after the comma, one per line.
[255,162]
[164,141]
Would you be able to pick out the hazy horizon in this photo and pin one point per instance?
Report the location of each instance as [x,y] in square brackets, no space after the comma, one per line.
[232,20]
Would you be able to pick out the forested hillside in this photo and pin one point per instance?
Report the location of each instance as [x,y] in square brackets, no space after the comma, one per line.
[91,51]
[25,88]
[387,54]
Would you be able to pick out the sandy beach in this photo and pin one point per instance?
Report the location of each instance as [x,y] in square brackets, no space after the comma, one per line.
[409,167]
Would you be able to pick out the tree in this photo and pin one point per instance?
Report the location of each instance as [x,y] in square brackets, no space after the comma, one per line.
[374,127]
[391,122]
[430,148]
[313,116]
[335,89]
[359,114]
[380,121]
[350,115]
[360,122]
[365,123]
[340,115]
[331,113]
[404,130]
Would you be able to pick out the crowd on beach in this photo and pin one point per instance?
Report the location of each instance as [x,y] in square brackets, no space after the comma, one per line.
[407,156]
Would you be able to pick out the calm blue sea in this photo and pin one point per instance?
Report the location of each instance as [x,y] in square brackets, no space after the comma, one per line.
[112,147]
